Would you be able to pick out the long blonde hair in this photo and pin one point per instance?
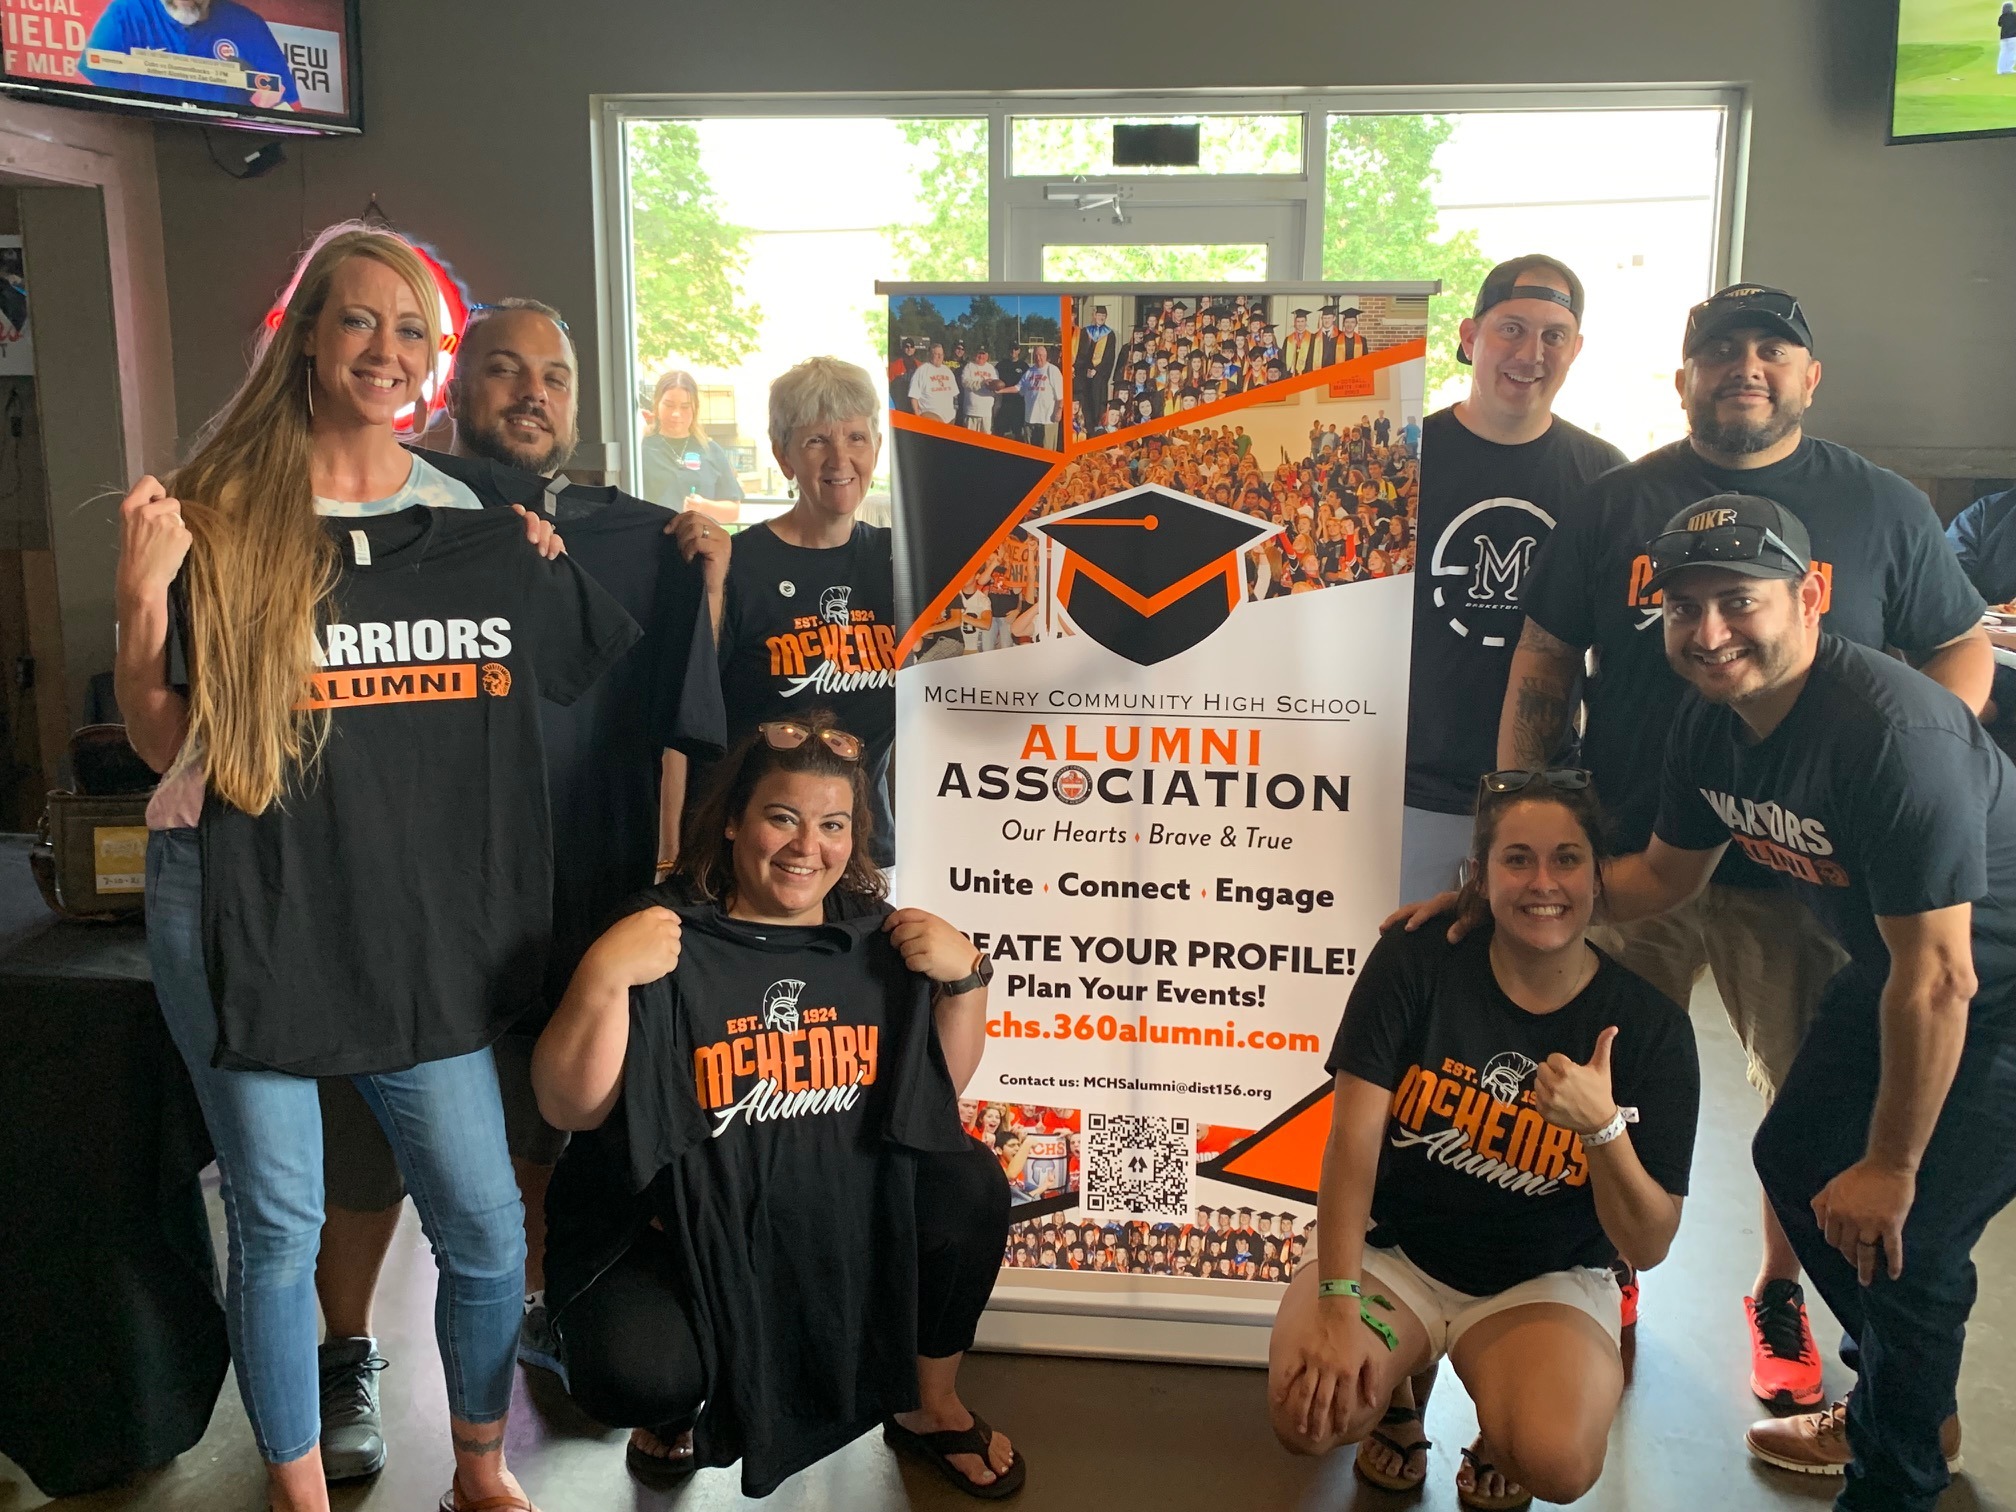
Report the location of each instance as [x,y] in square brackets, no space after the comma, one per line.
[261,566]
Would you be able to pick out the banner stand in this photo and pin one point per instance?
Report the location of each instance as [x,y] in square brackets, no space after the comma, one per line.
[1154,555]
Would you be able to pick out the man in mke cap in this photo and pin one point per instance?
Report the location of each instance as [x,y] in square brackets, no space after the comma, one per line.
[1884,807]
[1748,375]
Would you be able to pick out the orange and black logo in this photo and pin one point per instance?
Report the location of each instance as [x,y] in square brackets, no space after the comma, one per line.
[1149,573]
[785,1061]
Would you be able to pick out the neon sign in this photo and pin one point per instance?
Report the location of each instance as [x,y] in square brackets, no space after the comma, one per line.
[454,311]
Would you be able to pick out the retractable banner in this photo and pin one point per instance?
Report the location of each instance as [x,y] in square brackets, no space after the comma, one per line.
[1155,551]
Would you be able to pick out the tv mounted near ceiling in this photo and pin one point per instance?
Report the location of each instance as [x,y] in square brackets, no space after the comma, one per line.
[1955,73]
[267,65]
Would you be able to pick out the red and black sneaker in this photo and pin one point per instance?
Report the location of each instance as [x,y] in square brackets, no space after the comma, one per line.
[1627,1283]
[1784,1360]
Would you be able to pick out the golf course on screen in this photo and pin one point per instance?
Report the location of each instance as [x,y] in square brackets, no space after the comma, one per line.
[1947,52]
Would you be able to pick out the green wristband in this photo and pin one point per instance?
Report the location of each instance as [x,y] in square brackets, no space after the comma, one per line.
[1347,1288]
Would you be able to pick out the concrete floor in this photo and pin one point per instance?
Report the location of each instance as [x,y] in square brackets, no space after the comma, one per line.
[1104,1434]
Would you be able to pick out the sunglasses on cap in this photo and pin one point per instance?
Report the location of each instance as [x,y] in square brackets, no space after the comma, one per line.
[789,734]
[1721,545]
[1514,779]
[1772,302]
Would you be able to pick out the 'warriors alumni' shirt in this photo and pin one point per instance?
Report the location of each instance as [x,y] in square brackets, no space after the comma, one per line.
[603,750]
[394,905]
[1479,1190]
[1485,512]
[807,628]
[1878,795]
[774,1088]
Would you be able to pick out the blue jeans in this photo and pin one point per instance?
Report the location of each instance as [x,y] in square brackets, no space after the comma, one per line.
[446,1126]
[1906,1334]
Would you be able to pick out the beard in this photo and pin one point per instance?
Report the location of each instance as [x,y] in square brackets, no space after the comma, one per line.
[494,443]
[1770,661]
[1742,438]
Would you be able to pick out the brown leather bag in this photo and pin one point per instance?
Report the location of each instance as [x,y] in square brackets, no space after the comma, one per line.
[90,853]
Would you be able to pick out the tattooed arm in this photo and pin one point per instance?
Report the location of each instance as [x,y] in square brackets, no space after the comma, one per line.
[1539,698]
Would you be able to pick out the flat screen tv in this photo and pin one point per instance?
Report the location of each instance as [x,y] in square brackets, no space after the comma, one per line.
[1956,70]
[271,65]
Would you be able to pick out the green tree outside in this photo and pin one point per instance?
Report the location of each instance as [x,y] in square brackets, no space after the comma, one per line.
[1379,220]
[686,261]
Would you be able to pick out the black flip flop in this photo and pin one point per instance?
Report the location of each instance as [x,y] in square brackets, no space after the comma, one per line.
[1406,1452]
[660,1472]
[938,1448]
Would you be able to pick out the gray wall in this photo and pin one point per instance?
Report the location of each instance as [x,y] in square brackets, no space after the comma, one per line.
[477,118]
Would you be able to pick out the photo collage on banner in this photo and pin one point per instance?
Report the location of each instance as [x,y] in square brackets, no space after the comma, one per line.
[1153,723]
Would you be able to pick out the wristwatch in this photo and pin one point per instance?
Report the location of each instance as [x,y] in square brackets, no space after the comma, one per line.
[980,976]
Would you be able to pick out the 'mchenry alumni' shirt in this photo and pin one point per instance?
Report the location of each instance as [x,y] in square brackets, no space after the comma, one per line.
[809,627]
[394,905]
[603,750]
[1479,1190]
[1485,512]
[774,1088]
[1879,794]
[1891,581]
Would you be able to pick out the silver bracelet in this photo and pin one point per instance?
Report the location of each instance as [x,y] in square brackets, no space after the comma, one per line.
[1608,1132]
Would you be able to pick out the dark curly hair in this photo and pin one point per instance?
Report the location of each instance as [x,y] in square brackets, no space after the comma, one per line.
[706,871]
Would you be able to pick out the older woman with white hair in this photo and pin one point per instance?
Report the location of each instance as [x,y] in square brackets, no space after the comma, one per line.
[809,620]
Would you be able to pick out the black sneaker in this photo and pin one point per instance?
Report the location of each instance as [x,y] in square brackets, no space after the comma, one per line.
[353,1434]
[538,1342]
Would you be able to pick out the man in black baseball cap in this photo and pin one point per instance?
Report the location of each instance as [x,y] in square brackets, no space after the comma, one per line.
[1505,466]
[1747,377]
[1510,280]
[1882,806]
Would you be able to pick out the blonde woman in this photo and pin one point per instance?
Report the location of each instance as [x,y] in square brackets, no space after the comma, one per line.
[218,683]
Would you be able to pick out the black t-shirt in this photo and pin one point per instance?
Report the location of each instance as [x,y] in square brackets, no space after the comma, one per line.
[603,750]
[1878,794]
[1480,1191]
[1485,512]
[395,905]
[815,628]
[1892,580]
[775,1089]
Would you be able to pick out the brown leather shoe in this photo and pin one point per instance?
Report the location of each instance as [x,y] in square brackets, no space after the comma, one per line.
[1816,1443]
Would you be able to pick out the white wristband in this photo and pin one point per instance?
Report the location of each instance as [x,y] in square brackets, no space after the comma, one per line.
[1608,1132]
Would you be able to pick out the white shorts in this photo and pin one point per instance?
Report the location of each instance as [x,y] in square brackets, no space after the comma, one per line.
[1448,1314]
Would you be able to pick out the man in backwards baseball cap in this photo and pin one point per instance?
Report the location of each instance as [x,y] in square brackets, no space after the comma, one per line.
[1504,467]
[1885,576]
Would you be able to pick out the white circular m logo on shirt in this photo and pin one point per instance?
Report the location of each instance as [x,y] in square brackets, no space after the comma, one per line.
[1490,546]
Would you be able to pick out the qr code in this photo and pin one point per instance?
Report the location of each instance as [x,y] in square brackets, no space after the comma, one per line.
[1138,1164]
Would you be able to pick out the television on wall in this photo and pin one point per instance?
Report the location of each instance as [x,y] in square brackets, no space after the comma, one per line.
[1955,72]
[270,65]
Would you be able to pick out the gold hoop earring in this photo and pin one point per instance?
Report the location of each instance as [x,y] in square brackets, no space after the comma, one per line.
[308,383]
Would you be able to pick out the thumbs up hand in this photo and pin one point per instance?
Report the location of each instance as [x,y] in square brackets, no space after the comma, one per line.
[1577,1097]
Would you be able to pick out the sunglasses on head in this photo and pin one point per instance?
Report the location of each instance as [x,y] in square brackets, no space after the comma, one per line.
[1784,306]
[789,734]
[1512,779]
[1725,543]
[478,311]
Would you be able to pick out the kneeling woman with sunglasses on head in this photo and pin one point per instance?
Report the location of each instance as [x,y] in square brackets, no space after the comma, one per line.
[777,1234]
[1513,1111]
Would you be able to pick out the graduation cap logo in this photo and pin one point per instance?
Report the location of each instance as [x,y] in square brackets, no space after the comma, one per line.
[1151,572]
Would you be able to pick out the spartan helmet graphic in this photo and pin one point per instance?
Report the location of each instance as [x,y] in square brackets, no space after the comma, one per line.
[833,604]
[780,1004]
[1505,1076]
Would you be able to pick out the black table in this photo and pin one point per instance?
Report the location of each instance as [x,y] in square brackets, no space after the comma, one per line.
[109,1304]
